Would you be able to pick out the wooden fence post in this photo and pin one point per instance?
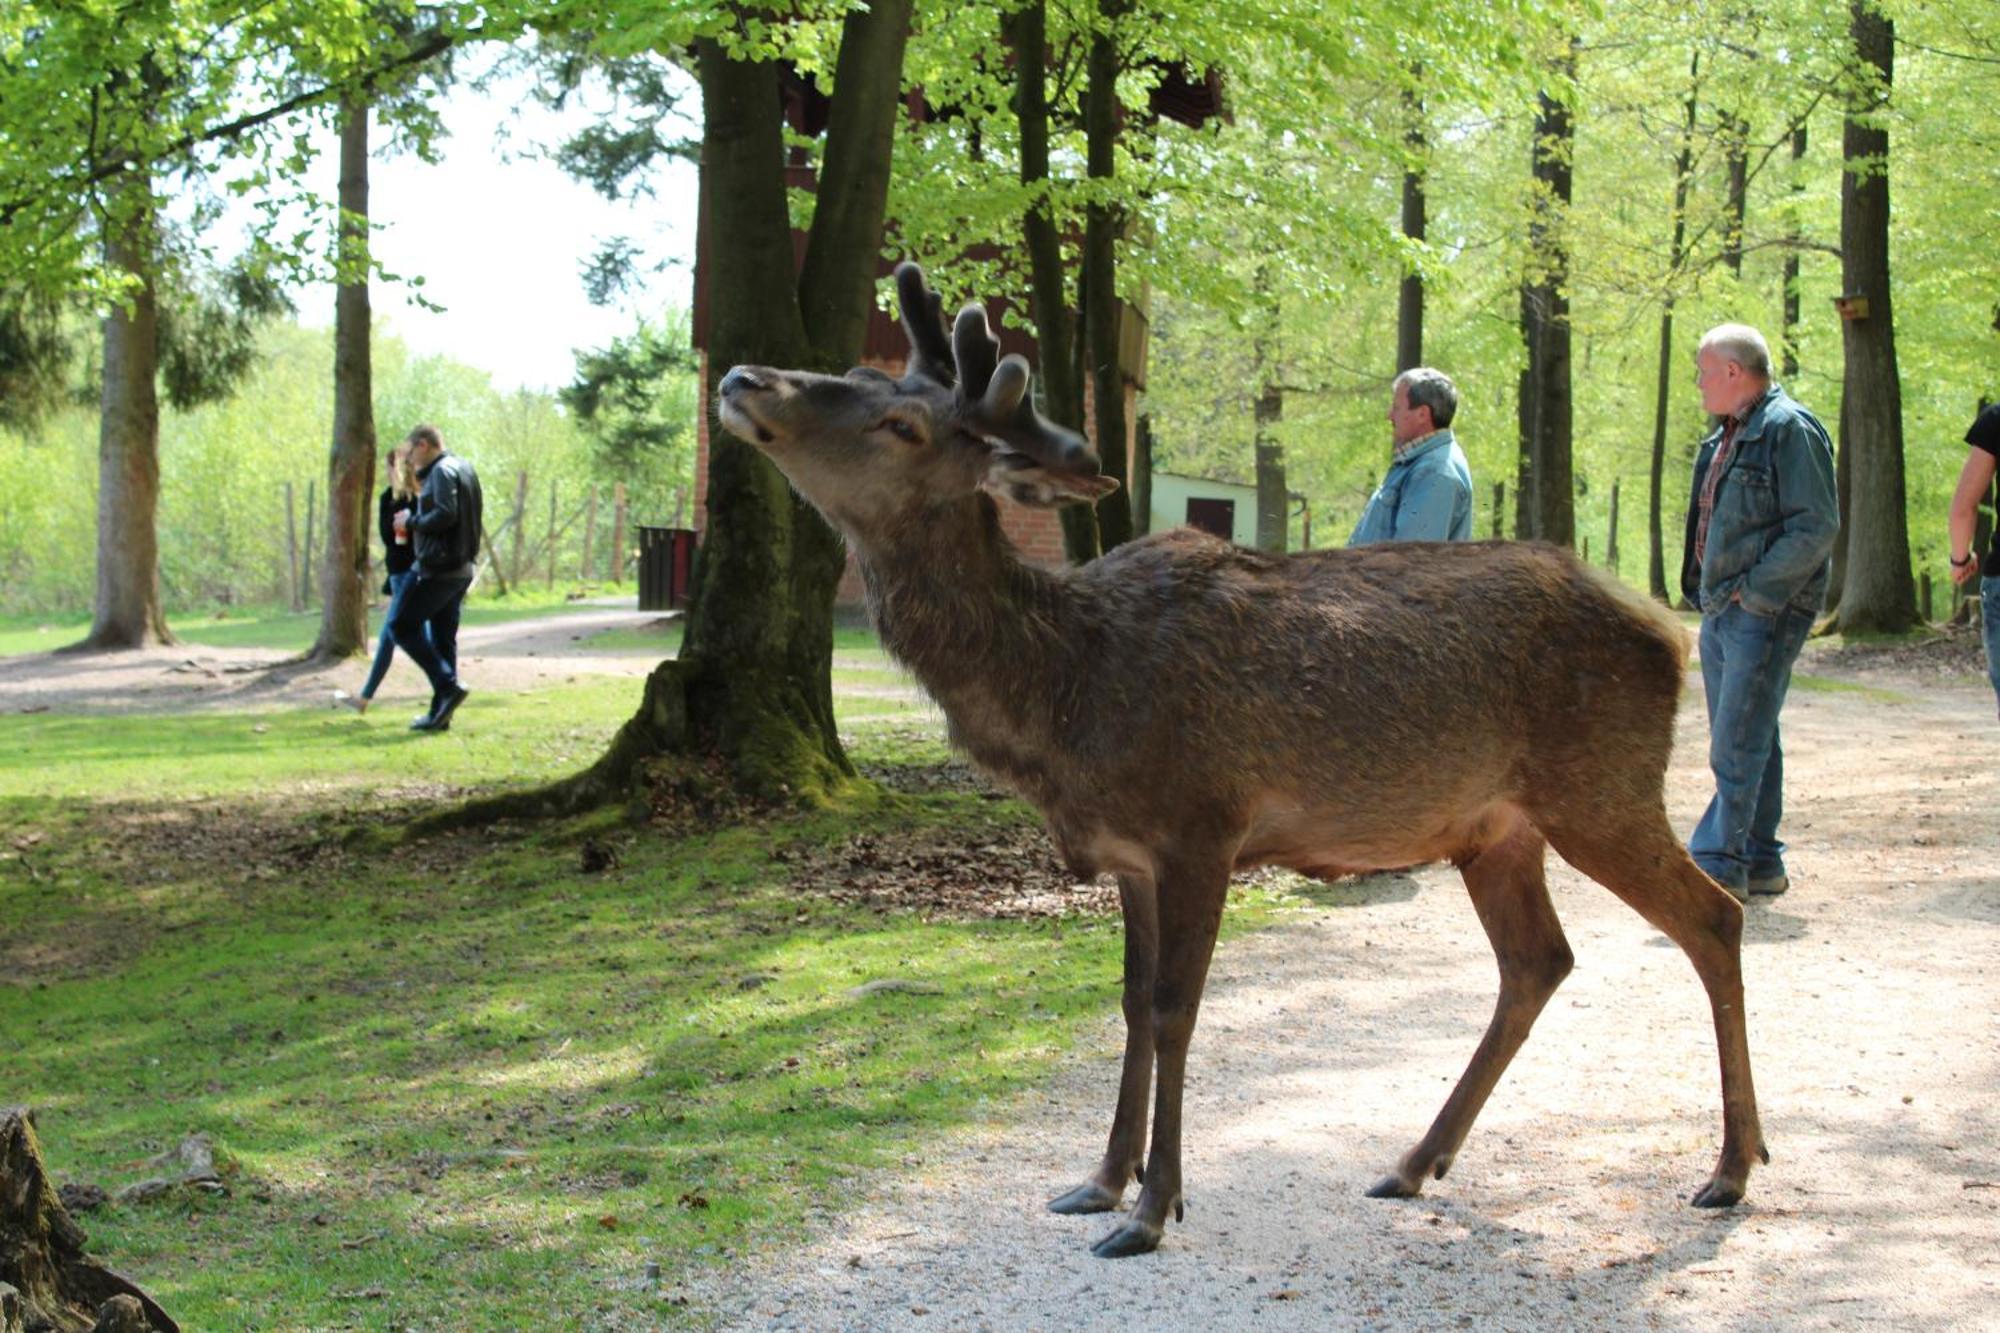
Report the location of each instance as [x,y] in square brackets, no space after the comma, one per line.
[520,521]
[589,535]
[306,584]
[1611,543]
[292,546]
[1499,510]
[552,534]
[618,534]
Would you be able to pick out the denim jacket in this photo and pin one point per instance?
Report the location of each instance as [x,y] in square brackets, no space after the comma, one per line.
[1427,497]
[1770,537]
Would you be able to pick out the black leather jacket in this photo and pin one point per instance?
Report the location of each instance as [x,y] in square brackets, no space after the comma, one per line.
[448,521]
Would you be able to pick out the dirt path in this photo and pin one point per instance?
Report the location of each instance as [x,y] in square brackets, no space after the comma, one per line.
[1326,1045]
[508,655]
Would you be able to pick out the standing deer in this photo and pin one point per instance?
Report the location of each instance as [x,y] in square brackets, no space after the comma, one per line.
[1183,708]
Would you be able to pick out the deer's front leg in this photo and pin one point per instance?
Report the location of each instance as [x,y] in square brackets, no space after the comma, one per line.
[1190,913]
[1125,1153]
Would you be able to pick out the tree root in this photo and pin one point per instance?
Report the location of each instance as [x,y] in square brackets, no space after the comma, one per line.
[45,1280]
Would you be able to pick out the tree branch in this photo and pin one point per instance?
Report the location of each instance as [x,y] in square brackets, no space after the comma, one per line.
[434,43]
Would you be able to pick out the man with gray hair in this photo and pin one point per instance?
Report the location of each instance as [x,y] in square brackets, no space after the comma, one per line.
[1760,527]
[1427,496]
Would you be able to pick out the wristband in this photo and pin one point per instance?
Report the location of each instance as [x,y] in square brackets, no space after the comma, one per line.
[1962,563]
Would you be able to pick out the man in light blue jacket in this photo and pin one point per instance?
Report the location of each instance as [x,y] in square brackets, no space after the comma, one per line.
[1427,496]
[1761,521]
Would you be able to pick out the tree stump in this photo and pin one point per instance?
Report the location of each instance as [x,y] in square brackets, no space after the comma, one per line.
[46,1283]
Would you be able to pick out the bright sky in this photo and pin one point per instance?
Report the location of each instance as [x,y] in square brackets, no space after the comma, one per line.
[501,239]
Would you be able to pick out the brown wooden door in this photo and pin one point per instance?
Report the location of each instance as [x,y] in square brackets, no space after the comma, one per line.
[1213,516]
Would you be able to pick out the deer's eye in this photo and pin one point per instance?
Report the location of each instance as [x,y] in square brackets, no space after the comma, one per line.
[902,428]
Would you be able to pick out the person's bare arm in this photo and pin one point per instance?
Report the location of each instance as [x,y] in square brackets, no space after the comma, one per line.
[1974,480]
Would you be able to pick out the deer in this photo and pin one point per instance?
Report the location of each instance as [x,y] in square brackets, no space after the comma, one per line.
[1355,710]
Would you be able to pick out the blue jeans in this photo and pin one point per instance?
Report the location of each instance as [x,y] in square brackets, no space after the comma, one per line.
[426,627]
[1746,667]
[1989,625]
[385,647]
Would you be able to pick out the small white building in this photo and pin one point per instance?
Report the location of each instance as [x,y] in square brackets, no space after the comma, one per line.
[1223,508]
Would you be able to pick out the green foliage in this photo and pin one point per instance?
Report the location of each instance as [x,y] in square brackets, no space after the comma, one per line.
[224,467]
[637,402]
[208,332]
[35,354]
[1335,322]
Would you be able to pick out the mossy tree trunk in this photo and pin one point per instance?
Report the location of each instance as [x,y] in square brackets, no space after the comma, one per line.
[1877,594]
[350,478]
[127,612]
[746,711]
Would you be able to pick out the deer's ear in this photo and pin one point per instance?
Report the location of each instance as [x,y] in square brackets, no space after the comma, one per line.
[1027,482]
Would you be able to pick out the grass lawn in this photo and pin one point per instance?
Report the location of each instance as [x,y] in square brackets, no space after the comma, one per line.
[462,1083]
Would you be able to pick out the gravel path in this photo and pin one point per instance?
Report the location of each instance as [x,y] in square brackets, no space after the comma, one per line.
[1326,1045]
[508,655]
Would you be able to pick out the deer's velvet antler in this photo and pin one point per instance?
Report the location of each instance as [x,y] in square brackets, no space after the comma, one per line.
[993,392]
[923,321]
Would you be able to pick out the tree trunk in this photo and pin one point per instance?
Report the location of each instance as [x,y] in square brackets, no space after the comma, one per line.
[1547,503]
[1102,224]
[42,1249]
[746,711]
[1142,476]
[1062,389]
[1736,159]
[128,613]
[1273,498]
[1788,337]
[350,475]
[1272,495]
[1656,554]
[583,570]
[1877,595]
[1410,300]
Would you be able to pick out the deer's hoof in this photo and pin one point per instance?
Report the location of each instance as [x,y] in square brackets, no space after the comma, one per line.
[1134,1237]
[1089,1197]
[1718,1193]
[1394,1187]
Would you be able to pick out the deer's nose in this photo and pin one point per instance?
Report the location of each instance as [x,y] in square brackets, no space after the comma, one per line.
[742,379]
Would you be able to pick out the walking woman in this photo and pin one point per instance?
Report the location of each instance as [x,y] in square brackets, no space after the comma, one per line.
[400,495]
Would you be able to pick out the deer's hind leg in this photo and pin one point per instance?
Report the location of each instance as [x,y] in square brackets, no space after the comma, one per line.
[1126,1152]
[1641,861]
[1512,899]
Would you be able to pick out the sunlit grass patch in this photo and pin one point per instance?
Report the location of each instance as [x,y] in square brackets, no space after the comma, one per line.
[1827,685]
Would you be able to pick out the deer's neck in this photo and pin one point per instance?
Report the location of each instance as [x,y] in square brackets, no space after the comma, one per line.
[982,631]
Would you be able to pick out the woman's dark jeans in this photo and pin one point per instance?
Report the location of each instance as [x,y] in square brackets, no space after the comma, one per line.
[386,647]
